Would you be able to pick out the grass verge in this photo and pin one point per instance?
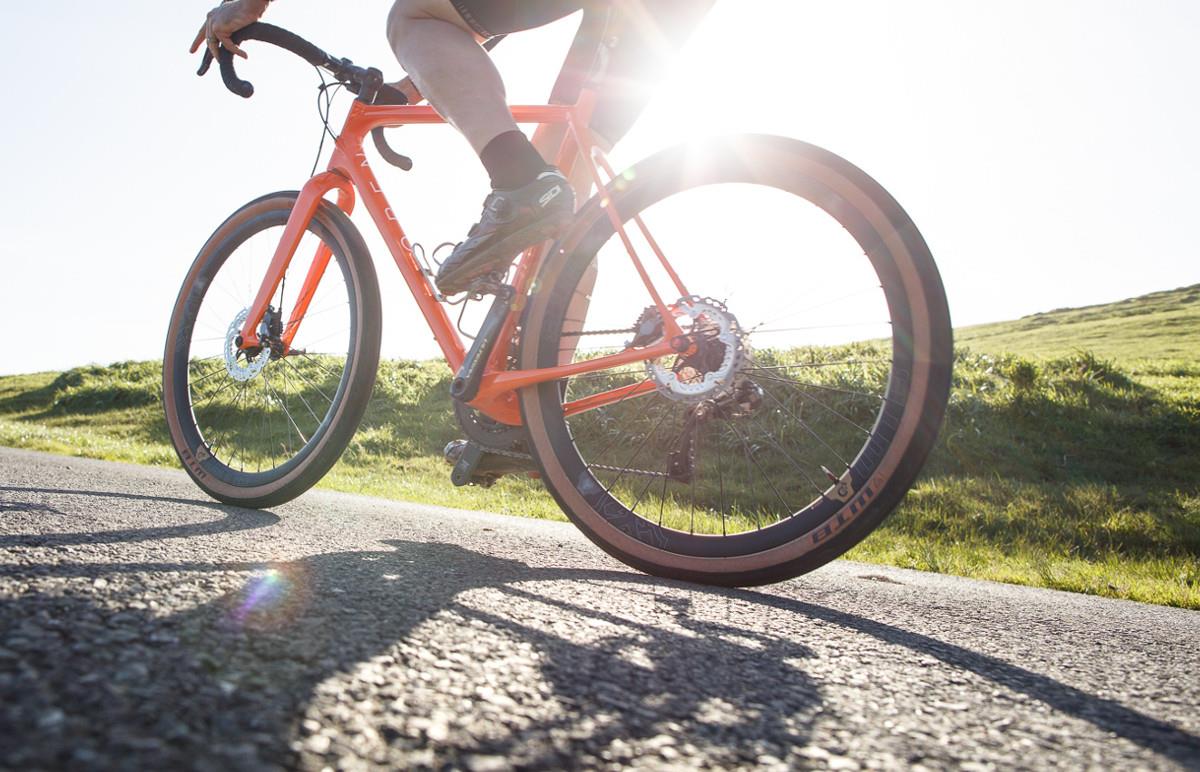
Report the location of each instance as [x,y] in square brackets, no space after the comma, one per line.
[1071,472]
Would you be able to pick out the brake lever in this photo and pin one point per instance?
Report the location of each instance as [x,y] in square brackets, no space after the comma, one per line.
[402,162]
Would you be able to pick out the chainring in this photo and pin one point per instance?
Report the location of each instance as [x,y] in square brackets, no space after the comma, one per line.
[487,431]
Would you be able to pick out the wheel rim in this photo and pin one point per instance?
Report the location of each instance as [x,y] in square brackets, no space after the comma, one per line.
[258,413]
[830,371]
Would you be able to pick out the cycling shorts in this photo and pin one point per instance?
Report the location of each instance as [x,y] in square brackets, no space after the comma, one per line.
[499,17]
[645,45]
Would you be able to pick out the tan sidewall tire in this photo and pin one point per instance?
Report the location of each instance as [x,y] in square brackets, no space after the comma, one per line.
[779,162]
[322,454]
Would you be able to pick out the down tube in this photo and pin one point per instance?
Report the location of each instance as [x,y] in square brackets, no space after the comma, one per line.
[358,169]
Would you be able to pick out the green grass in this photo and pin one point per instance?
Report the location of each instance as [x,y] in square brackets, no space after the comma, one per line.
[1159,326]
[1074,464]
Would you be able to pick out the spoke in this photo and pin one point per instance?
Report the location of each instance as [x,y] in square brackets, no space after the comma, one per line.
[695,455]
[262,419]
[807,428]
[239,303]
[822,404]
[613,406]
[665,477]
[662,500]
[884,323]
[637,452]
[721,481]
[287,435]
[807,309]
[216,393]
[309,383]
[289,416]
[281,395]
[749,462]
[810,365]
[309,357]
[324,338]
[217,440]
[220,330]
[645,489]
[320,312]
[221,435]
[811,385]
[241,400]
[202,379]
[300,394]
[750,454]
[778,445]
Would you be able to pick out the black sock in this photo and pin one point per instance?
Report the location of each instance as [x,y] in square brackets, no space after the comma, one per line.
[512,161]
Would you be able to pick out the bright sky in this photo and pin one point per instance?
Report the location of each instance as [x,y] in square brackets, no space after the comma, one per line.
[1046,148]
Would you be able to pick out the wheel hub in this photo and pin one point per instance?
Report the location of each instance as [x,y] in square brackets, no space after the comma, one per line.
[716,353]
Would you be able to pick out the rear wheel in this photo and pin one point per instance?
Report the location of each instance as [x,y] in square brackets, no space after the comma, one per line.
[814,383]
[257,428]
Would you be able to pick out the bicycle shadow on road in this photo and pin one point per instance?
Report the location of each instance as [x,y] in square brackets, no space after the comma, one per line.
[236,519]
[429,653]
[465,654]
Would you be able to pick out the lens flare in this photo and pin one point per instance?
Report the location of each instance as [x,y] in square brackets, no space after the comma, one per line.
[272,596]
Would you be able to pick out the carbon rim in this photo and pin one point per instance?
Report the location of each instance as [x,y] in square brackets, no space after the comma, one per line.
[831,487]
[253,432]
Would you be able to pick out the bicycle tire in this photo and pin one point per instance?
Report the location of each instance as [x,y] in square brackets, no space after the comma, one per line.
[303,467]
[905,428]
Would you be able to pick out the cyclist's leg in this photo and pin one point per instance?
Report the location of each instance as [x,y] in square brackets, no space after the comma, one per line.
[440,51]
[436,41]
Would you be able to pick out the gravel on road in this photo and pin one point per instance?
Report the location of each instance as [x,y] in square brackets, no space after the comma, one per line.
[144,626]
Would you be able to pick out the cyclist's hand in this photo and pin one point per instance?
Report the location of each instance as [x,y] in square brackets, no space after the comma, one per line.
[226,19]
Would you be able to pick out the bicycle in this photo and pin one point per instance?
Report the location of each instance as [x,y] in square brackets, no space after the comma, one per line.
[756,448]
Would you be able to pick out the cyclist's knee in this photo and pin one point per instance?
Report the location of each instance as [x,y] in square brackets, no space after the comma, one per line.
[402,13]
[405,13]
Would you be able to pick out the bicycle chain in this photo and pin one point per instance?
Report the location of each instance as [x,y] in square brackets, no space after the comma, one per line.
[581,333]
[605,467]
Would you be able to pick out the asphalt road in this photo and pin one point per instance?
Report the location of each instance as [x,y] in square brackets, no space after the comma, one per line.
[145,627]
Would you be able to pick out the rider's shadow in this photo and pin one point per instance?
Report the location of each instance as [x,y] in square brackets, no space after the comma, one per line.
[438,651]
[422,654]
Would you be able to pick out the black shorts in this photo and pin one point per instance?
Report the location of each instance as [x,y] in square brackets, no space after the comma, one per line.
[643,51]
[499,17]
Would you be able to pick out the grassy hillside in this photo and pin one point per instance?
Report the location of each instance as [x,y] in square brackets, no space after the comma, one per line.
[1161,326]
[1073,464]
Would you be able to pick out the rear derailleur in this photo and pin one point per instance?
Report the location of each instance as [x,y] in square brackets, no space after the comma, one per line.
[745,398]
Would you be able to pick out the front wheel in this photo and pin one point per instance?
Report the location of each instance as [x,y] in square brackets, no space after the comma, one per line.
[257,428]
[814,381]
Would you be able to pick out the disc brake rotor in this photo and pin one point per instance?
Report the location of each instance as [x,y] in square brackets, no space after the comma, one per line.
[710,366]
[247,366]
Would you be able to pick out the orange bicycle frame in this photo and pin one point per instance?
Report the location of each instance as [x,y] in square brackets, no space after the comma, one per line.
[349,172]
